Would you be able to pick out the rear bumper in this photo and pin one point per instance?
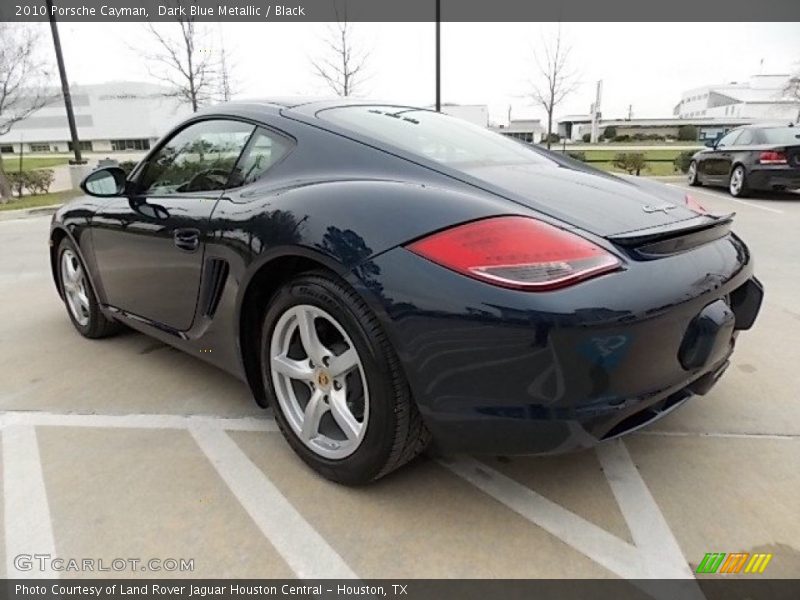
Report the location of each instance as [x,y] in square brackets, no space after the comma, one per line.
[770,177]
[496,371]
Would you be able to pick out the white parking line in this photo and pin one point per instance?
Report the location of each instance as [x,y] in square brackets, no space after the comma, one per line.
[722,434]
[140,421]
[732,199]
[655,553]
[659,549]
[304,550]
[27,525]
[614,554]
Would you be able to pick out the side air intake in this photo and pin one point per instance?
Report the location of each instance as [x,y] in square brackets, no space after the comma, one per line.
[214,277]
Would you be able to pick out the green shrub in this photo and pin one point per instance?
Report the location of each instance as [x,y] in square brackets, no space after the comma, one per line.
[36,181]
[577,155]
[554,138]
[18,181]
[610,132]
[687,133]
[682,161]
[622,138]
[127,166]
[630,162]
[587,137]
[40,180]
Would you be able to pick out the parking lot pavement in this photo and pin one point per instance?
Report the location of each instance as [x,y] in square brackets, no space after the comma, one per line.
[125,448]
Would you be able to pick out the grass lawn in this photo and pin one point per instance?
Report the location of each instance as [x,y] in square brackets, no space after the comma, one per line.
[11,163]
[40,200]
[665,153]
[653,168]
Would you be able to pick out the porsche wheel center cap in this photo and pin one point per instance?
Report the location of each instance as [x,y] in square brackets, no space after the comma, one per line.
[323,379]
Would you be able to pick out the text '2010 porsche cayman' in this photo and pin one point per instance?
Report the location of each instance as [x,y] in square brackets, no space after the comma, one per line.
[388,277]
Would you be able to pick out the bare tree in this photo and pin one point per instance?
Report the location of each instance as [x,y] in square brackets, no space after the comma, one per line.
[22,79]
[226,83]
[792,90]
[184,62]
[343,70]
[556,80]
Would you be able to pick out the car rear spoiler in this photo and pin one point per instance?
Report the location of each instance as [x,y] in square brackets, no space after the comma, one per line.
[676,237]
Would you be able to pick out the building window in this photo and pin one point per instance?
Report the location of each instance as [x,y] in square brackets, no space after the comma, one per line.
[121,145]
[40,147]
[7,149]
[84,146]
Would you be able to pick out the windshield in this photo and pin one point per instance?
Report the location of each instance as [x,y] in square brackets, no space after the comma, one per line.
[441,138]
[782,135]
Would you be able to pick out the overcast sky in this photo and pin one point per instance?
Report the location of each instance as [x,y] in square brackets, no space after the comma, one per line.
[646,65]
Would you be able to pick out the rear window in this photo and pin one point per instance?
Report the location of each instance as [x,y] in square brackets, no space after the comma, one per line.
[441,138]
[781,135]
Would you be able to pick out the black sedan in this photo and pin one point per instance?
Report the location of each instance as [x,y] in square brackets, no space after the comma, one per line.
[750,158]
[388,278]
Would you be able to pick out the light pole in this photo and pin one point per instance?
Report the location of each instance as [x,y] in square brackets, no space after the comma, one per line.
[438,56]
[62,72]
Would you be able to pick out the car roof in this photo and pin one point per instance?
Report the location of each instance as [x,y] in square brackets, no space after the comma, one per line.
[307,105]
[781,125]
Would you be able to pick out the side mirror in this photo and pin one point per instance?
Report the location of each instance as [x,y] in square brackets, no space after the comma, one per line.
[105,183]
[711,143]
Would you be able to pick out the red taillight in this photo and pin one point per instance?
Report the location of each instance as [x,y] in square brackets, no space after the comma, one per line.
[771,157]
[694,205]
[516,252]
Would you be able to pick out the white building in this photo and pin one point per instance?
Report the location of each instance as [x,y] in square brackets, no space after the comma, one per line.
[761,98]
[526,130]
[477,114]
[110,117]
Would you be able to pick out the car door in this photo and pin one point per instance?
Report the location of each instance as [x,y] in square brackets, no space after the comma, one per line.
[717,165]
[149,244]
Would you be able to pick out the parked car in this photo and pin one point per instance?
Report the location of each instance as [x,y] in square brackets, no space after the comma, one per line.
[750,158]
[387,277]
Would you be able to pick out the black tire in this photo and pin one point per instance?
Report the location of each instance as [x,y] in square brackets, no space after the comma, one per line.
[743,191]
[98,325]
[395,433]
[694,180]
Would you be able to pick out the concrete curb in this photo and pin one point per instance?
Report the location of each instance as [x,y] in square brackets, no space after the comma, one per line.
[24,213]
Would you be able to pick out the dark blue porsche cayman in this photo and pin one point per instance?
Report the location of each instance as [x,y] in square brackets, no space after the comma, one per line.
[387,278]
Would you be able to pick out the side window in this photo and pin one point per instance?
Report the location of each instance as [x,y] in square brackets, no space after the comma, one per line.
[747,137]
[263,151]
[729,138]
[199,158]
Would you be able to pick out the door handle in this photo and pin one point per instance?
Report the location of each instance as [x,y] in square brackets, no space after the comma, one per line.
[186,239]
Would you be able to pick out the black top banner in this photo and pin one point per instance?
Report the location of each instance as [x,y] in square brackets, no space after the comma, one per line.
[405,10]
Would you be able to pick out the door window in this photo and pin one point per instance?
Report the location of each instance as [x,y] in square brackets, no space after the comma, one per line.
[263,151]
[746,138]
[729,138]
[199,158]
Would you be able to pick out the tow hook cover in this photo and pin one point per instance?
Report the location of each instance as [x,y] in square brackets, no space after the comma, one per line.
[709,336]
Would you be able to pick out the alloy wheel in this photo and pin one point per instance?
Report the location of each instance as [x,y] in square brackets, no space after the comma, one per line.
[73,281]
[319,381]
[692,172]
[737,181]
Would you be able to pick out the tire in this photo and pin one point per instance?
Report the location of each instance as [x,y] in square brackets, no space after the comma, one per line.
[692,177]
[737,184]
[84,312]
[390,431]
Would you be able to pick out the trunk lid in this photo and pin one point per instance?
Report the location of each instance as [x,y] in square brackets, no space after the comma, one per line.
[600,203]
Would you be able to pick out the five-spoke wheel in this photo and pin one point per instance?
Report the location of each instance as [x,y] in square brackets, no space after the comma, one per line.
[76,289]
[319,381]
[73,281]
[339,394]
